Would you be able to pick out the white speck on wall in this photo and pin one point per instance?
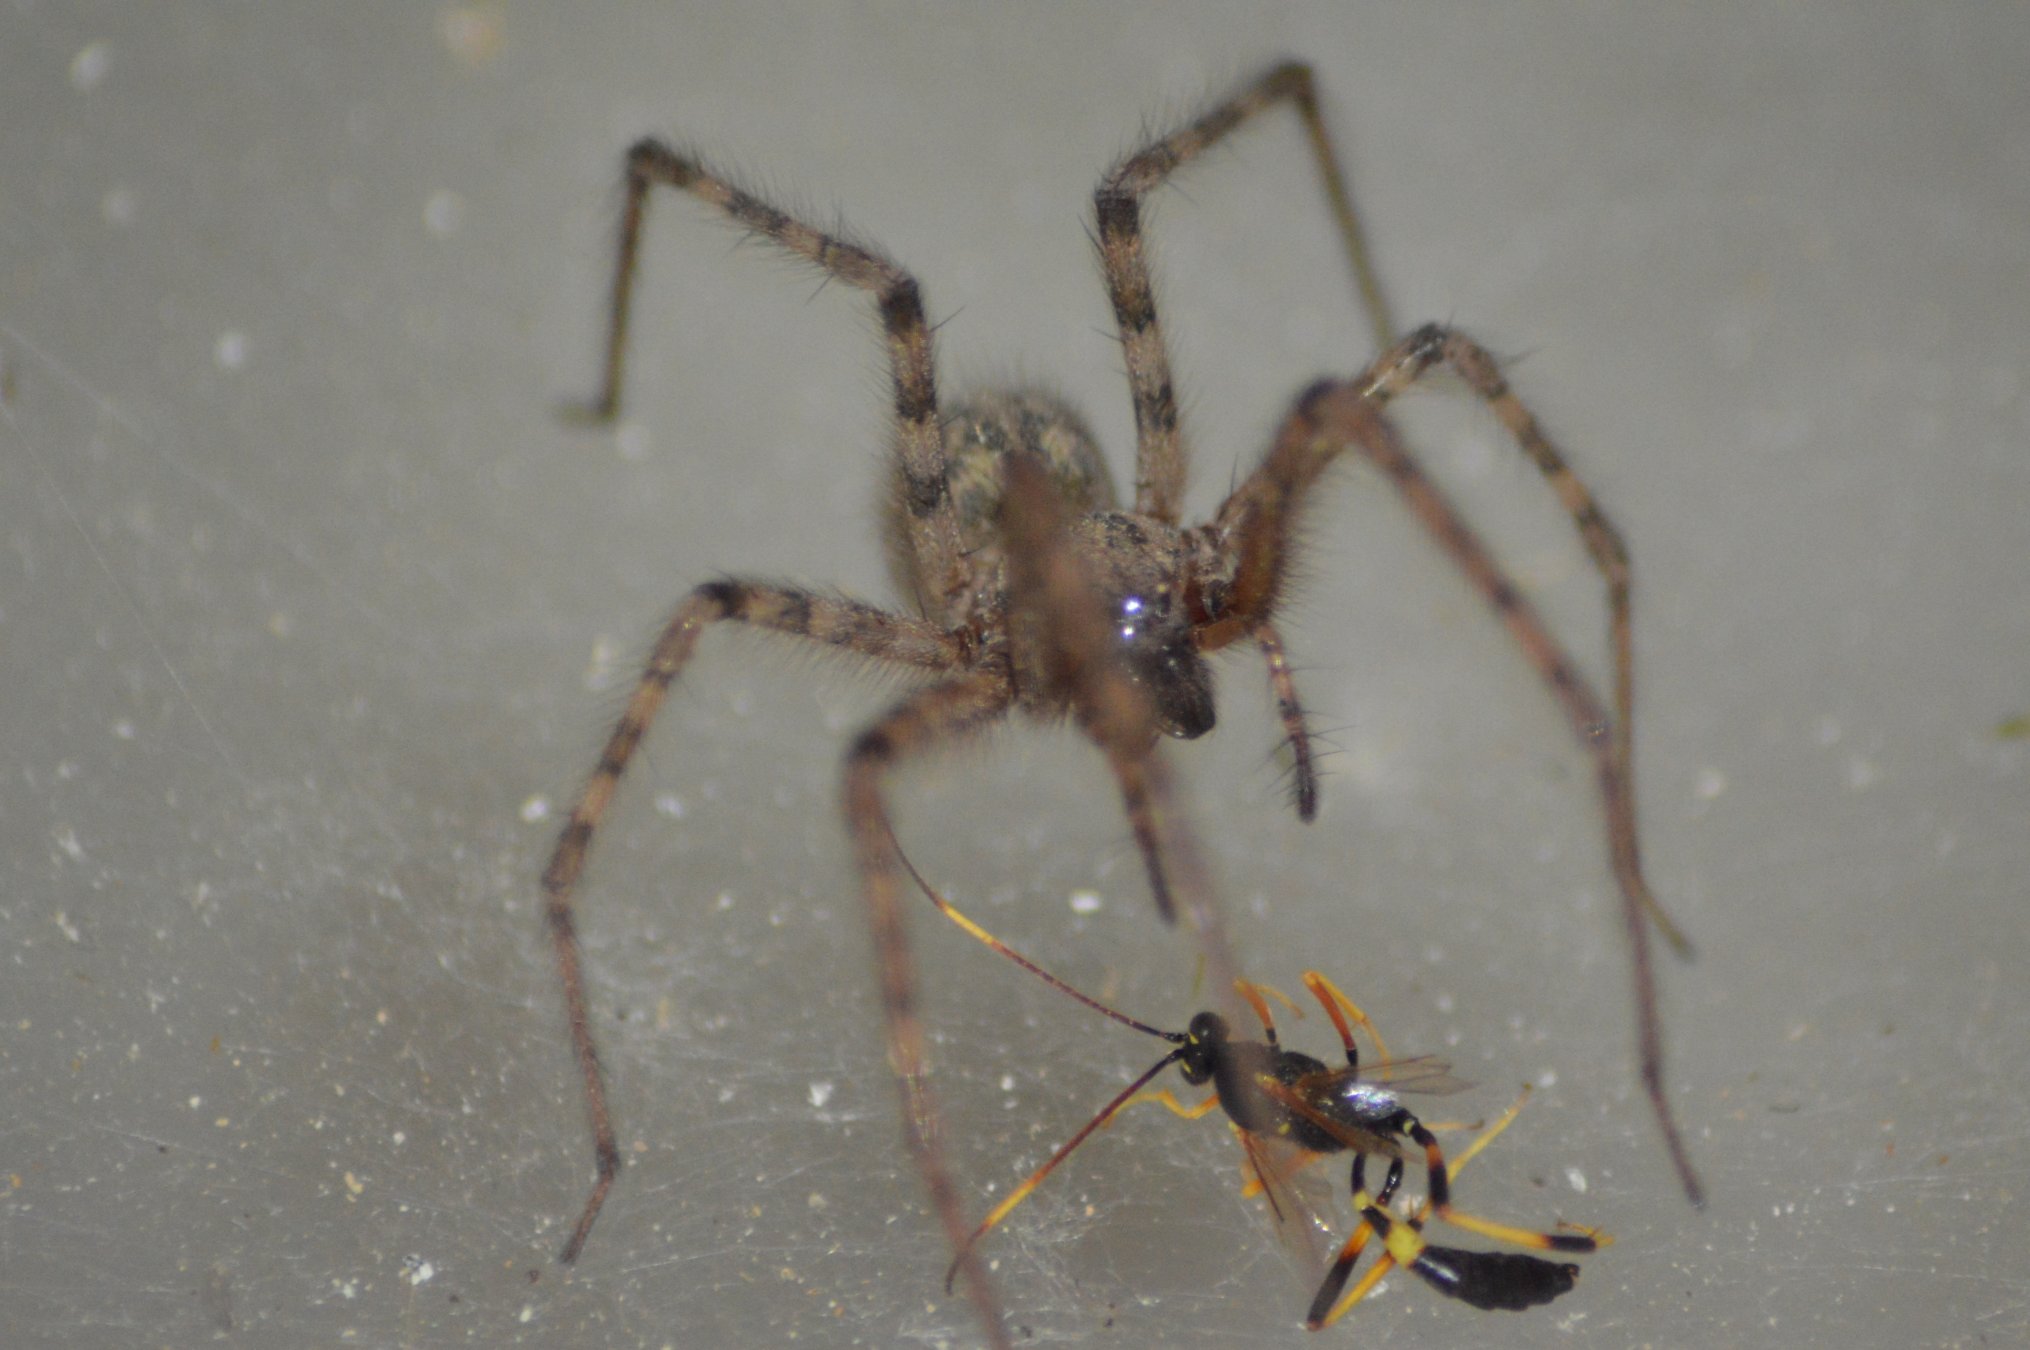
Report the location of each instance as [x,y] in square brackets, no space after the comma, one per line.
[118,206]
[230,352]
[634,441]
[443,213]
[88,68]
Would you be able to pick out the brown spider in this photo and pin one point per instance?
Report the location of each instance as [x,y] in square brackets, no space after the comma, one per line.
[1034,589]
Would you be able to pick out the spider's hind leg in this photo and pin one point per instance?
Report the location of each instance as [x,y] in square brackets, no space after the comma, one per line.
[839,623]
[1608,737]
[924,720]
[1334,417]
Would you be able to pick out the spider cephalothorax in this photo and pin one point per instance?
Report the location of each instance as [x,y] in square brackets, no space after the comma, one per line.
[1034,587]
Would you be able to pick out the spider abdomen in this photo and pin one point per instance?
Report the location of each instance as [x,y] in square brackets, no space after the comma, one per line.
[979,433]
[984,429]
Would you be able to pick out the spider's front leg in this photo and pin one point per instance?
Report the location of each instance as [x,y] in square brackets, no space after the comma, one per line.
[1067,657]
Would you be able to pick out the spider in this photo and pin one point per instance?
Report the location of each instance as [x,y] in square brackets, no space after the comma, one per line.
[1034,588]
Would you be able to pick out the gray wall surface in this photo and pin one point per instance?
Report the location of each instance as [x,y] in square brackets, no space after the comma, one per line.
[312,617]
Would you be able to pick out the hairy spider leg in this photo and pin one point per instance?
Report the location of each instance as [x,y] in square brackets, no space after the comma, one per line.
[1044,577]
[1290,712]
[920,722]
[1129,1096]
[1160,466]
[1159,451]
[840,623]
[1333,417]
[932,521]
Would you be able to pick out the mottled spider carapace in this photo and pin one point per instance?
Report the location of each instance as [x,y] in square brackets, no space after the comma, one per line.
[1033,587]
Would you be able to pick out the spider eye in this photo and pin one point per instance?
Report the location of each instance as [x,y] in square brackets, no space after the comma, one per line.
[1157,647]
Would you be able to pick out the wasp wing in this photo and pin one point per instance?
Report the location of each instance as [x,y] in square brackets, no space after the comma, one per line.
[1424,1074]
[1296,1194]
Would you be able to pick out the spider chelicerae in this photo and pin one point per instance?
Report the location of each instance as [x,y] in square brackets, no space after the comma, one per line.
[1034,588]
